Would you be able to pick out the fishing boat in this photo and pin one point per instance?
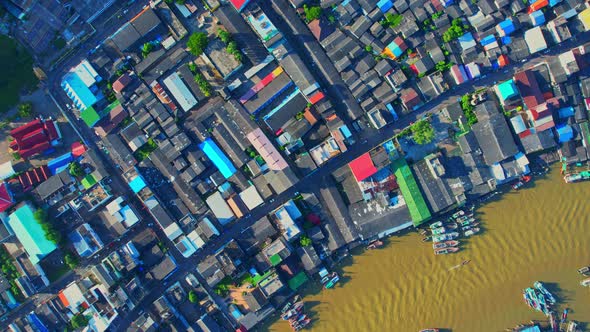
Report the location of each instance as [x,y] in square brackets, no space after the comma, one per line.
[472,231]
[550,298]
[577,177]
[445,237]
[426,239]
[584,271]
[292,312]
[517,185]
[458,214]
[585,282]
[438,231]
[334,279]
[466,221]
[445,251]
[429,330]
[436,225]
[470,226]
[302,324]
[451,226]
[375,244]
[446,244]
[564,315]
[553,321]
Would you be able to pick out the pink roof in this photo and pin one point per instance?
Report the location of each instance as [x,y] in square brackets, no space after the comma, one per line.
[78,149]
[6,200]
[362,167]
[267,151]
[239,4]
[121,83]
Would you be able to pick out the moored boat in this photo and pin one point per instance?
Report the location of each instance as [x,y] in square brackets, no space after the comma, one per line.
[472,231]
[375,244]
[470,226]
[436,225]
[572,327]
[426,239]
[584,271]
[333,280]
[577,177]
[445,237]
[585,282]
[445,244]
[429,330]
[451,226]
[438,231]
[564,315]
[517,185]
[445,251]
[458,214]
[550,298]
[466,221]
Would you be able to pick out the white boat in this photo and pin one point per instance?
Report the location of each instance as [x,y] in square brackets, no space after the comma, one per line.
[472,231]
[585,282]
[436,225]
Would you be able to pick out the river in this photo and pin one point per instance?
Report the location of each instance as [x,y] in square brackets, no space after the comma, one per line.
[541,232]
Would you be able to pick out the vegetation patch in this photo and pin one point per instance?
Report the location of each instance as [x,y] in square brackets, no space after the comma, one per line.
[17,72]
[456,30]
[197,43]
[144,151]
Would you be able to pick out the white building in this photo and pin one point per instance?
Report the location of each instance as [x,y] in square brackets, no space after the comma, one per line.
[180,92]
[535,40]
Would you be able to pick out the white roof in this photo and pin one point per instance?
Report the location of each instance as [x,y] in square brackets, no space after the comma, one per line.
[473,69]
[130,218]
[518,124]
[251,197]
[288,226]
[535,40]
[196,239]
[86,73]
[188,249]
[173,231]
[498,172]
[180,92]
[6,170]
[115,205]
[220,209]
[74,296]
[168,42]
[211,226]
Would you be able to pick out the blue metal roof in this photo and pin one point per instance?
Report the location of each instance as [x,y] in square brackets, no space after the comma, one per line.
[219,159]
[137,184]
[76,90]
[60,163]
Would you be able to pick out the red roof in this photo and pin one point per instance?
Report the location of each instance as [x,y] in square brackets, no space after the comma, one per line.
[503,60]
[32,177]
[121,83]
[239,4]
[316,97]
[529,88]
[33,137]
[538,5]
[362,167]
[6,200]
[78,149]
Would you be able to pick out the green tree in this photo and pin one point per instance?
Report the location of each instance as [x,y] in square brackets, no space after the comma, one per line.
[146,49]
[71,260]
[369,48]
[392,20]
[25,110]
[51,233]
[239,57]
[203,84]
[443,66]
[180,2]
[456,30]
[312,13]
[332,19]
[197,43]
[192,67]
[78,321]
[192,297]
[423,132]
[224,36]
[76,170]
[305,241]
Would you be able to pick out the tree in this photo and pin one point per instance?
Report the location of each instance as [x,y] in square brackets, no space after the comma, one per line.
[146,49]
[369,48]
[76,170]
[78,321]
[305,241]
[392,20]
[232,47]
[239,57]
[71,260]
[192,297]
[332,19]
[180,2]
[423,132]
[203,84]
[25,110]
[456,30]
[224,36]
[51,233]
[197,43]
[192,67]
[443,66]
[312,13]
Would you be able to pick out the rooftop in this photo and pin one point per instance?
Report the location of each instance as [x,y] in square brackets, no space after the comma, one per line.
[30,233]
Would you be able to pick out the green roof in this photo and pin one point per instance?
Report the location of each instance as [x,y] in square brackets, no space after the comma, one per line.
[407,184]
[88,181]
[30,234]
[275,259]
[507,90]
[111,107]
[90,116]
[298,280]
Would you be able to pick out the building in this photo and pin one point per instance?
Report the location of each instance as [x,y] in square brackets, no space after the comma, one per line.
[219,159]
[34,137]
[267,151]
[419,211]
[85,240]
[507,92]
[180,92]
[495,138]
[535,40]
[529,88]
[119,216]
[6,199]
[287,223]
[362,167]
[220,208]
[30,234]
[80,85]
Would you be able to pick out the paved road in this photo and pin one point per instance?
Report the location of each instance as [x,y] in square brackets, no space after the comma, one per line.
[302,40]
[306,184]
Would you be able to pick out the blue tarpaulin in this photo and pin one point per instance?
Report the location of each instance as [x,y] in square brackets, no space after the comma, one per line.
[565,133]
[487,40]
[385,5]
[506,40]
[537,18]
[566,112]
[507,26]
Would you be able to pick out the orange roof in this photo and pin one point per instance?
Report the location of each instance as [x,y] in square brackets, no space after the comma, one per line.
[63,299]
[503,60]
[310,117]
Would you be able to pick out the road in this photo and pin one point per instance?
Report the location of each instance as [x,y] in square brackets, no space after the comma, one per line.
[309,183]
[302,40]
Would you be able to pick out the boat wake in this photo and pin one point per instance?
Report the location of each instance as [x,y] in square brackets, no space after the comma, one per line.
[465,262]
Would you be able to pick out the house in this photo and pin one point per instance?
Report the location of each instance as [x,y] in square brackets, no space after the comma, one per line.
[535,40]
[267,151]
[430,173]
[53,188]
[495,138]
[34,137]
[422,66]
[6,199]
[309,258]
[254,237]
[410,99]
[121,83]
[79,83]
[30,234]
[507,92]
[85,240]
[529,88]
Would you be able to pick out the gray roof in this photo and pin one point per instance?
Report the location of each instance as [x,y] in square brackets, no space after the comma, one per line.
[164,268]
[125,37]
[252,238]
[495,138]
[309,258]
[438,193]
[297,70]
[54,184]
[146,22]
[538,141]
[119,152]
[360,26]
[373,219]
[332,201]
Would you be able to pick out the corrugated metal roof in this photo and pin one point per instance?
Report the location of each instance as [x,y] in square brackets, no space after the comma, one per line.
[30,234]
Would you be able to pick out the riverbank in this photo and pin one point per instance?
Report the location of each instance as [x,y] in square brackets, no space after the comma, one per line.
[536,233]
